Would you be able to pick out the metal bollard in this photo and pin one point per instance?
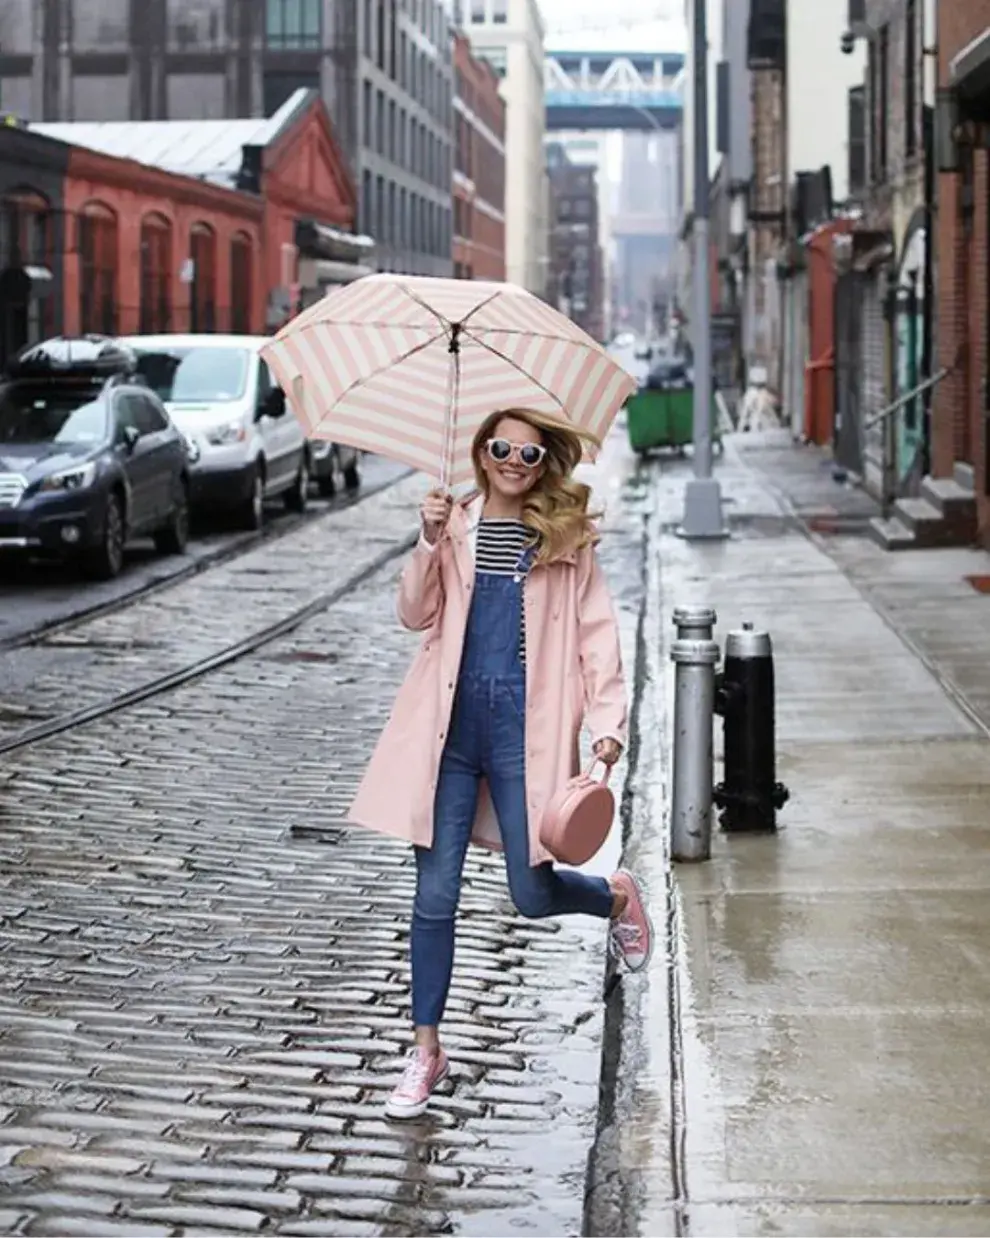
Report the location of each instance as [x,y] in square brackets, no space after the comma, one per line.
[691,796]
[750,794]
[694,622]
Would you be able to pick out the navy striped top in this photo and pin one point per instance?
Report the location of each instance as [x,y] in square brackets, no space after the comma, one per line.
[499,548]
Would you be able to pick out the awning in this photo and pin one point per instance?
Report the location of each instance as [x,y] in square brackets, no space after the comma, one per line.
[19,285]
[316,240]
[969,72]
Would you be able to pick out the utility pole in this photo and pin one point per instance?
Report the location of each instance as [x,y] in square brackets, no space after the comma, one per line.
[703,516]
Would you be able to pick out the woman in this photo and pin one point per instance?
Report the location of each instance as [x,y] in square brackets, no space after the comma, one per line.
[520,646]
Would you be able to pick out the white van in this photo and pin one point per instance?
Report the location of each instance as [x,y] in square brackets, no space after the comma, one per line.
[245,446]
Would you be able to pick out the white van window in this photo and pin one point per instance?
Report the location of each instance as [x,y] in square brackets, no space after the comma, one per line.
[182,375]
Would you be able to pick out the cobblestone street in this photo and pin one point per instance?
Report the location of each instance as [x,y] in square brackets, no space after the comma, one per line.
[204,987]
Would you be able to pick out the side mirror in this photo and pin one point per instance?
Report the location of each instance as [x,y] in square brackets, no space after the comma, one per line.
[131,436]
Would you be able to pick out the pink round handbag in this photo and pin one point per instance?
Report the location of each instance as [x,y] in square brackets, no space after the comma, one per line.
[578,818]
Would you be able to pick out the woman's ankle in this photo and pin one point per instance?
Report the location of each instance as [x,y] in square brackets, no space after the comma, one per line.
[427,1039]
[620,898]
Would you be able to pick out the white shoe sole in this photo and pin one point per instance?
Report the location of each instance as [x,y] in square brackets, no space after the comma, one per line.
[402,1113]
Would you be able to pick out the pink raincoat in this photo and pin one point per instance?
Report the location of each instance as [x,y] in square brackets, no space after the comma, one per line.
[573,673]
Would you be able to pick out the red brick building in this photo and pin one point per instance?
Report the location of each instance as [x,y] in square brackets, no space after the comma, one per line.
[204,225]
[479,168]
[961,404]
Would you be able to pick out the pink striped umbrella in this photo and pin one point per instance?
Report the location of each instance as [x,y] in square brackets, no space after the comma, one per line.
[409,367]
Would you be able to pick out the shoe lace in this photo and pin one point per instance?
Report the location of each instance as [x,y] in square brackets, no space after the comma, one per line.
[626,934]
[416,1073]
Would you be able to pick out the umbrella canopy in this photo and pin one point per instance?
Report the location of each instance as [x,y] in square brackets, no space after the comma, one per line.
[409,367]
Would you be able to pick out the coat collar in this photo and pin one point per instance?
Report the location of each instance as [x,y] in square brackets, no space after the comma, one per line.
[465,529]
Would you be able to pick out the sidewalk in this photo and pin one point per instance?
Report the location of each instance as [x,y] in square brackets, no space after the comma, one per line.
[808,1052]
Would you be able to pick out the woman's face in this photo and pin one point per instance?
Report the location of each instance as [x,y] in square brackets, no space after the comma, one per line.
[511,478]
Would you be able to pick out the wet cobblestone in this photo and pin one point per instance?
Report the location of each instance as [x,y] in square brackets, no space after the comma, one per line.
[201,1012]
[198,618]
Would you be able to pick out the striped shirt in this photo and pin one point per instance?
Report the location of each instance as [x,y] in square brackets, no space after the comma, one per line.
[499,548]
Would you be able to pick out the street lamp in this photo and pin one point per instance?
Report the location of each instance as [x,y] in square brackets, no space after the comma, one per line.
[703,517]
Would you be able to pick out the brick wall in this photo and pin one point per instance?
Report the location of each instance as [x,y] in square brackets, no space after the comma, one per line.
[963,200]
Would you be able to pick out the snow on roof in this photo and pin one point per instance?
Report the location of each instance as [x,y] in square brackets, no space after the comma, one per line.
[210,150]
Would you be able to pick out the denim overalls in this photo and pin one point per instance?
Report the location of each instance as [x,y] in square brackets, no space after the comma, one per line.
[486,739]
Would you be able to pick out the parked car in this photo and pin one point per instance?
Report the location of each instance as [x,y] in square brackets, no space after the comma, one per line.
[88,457]
[334,465]
[245,446]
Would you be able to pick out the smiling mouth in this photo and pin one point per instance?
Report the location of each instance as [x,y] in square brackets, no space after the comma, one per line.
[512,474]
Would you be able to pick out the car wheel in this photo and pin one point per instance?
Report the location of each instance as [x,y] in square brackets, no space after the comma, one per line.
[297,498]
[173,538]
[107,558]
[352,477]
[253,509]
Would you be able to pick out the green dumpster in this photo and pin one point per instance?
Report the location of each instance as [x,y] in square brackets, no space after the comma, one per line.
[660,416]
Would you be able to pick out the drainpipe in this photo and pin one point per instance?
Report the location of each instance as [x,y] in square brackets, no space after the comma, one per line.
[928,277]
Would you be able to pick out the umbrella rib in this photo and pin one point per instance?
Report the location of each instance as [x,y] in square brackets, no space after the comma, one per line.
[529,377]
[383,369]
[480,306]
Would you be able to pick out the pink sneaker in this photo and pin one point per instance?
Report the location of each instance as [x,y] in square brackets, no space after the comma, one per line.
[631,935]
[412,1093]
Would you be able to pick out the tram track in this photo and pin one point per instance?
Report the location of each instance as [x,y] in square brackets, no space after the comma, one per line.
[175,677]
[238,546]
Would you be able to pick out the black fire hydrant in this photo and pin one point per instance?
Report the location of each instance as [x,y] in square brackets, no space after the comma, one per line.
[750,795]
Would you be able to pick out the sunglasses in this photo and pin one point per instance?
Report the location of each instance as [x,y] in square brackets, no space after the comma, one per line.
[531,455]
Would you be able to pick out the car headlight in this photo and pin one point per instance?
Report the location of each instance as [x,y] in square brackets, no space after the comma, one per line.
[70,479]
[232,432]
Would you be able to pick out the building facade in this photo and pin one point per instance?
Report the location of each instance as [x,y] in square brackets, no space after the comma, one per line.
[191,226]
[960,425]
[32,237]
[383,68]
[509,34]
[479,167]
[576,284]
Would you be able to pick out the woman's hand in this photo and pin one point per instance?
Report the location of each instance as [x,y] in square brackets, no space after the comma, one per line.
[434,513]
[608,751]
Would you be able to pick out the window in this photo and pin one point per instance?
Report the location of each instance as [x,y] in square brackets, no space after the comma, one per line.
[203,292]
[380,122]
[156,274]
[379,207]
[240,284]
[293,23]
[500,12]
[392,135]
[380,34]
[98,269]
[367,126]
[878,104]
[497,59]
[366,204]
[477,12]
[280,84]
[137,410]
[911,75]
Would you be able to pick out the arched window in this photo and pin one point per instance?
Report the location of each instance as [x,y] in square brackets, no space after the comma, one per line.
[156,274]
[241,258]
[27,242]
[203,299]
[98,257]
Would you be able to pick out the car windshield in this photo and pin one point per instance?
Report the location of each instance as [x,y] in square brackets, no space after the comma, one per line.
[191,375]
[32,412]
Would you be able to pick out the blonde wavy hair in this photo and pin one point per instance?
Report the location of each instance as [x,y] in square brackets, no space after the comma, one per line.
[556,508]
